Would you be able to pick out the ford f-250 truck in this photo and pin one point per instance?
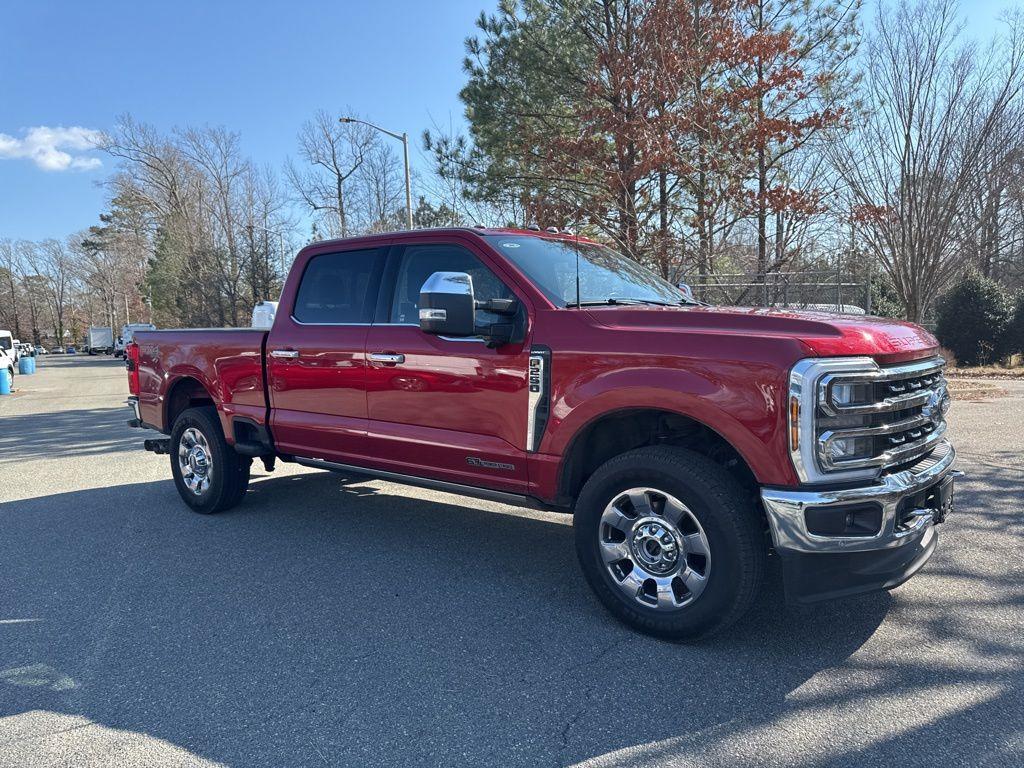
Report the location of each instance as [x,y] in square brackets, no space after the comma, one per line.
[688,442]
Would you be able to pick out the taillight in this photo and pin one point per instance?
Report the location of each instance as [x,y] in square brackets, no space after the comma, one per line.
[132,364]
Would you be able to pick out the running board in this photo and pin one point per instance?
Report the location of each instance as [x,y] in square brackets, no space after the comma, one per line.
[502,497]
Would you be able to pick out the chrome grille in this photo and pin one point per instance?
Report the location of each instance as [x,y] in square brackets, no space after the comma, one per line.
[880,418]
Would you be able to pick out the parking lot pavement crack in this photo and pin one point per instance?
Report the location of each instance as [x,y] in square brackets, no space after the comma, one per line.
[583,701]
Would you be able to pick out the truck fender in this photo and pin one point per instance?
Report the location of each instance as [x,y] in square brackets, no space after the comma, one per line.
[747,415]
[185,376]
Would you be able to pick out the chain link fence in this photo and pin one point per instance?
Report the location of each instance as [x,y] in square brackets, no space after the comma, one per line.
[821,290]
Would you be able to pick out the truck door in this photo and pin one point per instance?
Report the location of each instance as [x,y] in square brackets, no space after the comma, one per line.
[316,362]
[444,408]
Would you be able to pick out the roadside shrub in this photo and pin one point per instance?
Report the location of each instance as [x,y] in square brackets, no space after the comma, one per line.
[949,357]
[973,319]
[1014,342]
[885,302]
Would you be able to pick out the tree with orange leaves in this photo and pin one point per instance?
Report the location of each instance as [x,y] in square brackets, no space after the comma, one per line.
[790,70]
[647,119]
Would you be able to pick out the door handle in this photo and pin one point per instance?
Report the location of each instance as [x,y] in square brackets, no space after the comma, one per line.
[286,354]
[388,358]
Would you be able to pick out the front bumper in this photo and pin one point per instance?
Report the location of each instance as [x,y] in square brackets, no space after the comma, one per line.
[819,567]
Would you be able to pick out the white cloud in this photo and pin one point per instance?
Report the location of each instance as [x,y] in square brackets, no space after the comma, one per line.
[54,149]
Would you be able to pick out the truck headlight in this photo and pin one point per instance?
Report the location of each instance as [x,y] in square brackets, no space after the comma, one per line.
[842,448]
[850,418]
[850,393]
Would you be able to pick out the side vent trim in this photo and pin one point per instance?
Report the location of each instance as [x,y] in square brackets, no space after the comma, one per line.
[538,409]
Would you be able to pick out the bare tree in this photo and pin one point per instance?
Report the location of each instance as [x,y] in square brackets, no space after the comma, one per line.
[193,223]
[332,152]
[986,217]
[266,226]
[9,285]
[53,261]
[216,153]
[381,191]
[912,157]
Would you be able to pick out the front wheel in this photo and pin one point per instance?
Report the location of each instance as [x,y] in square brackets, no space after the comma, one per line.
[209,475]
[670,542]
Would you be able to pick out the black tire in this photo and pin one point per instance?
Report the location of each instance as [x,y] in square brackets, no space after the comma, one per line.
[727,515]
[229,478]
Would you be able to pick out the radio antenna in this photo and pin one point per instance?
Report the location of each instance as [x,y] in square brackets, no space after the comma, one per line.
[576,236]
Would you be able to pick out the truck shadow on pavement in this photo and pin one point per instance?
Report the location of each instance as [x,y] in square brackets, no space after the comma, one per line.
[342,623]
[79,432]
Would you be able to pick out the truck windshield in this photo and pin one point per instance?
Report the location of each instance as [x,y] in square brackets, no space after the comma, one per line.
[605,277]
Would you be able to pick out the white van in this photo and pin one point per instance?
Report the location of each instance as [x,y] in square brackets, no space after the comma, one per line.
[7,345]
[127,334]
[7,353]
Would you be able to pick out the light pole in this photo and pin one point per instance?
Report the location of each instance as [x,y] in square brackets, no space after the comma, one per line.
[404,138]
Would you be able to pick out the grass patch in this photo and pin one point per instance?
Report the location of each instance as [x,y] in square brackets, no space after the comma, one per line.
[974,390]
[986,372]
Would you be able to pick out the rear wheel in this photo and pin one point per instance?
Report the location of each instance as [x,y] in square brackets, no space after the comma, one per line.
[670,542]
[209,475]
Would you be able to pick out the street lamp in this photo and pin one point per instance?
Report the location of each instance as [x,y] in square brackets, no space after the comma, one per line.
[404,138]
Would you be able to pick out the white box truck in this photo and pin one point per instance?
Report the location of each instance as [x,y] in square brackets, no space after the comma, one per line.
[99,340]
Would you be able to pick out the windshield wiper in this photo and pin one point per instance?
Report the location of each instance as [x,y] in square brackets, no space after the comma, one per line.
[603,302]
[615,300]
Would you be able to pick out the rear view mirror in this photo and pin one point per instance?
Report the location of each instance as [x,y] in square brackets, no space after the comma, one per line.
[447,305]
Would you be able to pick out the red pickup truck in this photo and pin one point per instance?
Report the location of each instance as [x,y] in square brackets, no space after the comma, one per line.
[535,368]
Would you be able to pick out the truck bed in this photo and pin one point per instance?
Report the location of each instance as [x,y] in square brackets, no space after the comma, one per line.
[226,362]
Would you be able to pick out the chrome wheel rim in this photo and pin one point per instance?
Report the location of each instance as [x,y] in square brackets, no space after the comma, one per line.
[654,548]
[195,461]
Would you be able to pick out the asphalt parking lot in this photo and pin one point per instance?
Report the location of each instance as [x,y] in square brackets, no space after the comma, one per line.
[330,622]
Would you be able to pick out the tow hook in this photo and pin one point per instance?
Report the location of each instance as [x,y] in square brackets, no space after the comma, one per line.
[158,445]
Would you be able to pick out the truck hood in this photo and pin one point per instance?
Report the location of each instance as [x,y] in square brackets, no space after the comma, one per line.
[823,333]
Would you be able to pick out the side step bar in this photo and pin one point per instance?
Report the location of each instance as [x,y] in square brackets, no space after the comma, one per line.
[502,497]
[162,446]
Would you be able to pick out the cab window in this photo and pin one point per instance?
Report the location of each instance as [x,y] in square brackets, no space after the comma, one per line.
[418,262]
[339,288]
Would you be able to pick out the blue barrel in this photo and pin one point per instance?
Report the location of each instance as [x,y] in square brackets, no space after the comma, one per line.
[25,365]
[5,382]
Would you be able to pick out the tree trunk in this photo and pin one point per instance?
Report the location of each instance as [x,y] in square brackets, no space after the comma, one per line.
[663,222]
[762,176]
[341,204]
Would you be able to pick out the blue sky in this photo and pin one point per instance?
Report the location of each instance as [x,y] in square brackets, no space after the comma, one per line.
[257,67]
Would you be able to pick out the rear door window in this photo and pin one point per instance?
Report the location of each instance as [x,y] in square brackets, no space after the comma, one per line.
[339,288]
